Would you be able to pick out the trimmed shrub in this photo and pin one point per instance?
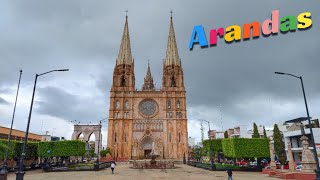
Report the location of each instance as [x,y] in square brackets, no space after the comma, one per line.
[61,149]
[245,148]
[215,143]
[16,149]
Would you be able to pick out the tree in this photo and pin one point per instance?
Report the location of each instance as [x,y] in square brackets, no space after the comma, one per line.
[198,152]
[255,131]
[108,151]
[279,146]
[92,154]
[104,153]
[264,133]
[226,134]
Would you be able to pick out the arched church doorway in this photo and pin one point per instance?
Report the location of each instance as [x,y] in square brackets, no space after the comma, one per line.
[147,146]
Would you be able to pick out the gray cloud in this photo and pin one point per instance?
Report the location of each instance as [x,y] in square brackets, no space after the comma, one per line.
[3,101]
[58,103]
[85,36]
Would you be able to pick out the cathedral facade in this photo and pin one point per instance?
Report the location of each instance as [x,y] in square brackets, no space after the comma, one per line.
[146,117]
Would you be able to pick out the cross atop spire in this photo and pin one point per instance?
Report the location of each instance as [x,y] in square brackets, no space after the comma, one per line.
[171,13]
[125,56]
[148,80]
[126,13]
[172,55]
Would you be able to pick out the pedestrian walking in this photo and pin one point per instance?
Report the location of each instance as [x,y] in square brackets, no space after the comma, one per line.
[229,171]
[113,165]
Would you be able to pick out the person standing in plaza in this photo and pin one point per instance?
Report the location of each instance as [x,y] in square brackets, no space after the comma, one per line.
[229,171]
[113,165]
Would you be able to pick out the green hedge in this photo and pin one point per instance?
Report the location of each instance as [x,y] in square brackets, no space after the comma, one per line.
[245,148]
[16,149]
[215,143]
[61,149]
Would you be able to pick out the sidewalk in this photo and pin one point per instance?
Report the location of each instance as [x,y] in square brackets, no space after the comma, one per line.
[124,172]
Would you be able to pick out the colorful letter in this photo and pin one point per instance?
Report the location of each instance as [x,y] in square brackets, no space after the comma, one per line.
[213,35]
[233,33]
[255,30]
[274,24]
[288,25]
[198,32]
[304,20]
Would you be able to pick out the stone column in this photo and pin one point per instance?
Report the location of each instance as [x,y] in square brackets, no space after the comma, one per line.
[290,158]
[272,162]
[308,162]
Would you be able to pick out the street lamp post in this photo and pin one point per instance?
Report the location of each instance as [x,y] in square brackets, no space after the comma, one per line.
[4,170]
[309,121]
[97,162]
[20,173]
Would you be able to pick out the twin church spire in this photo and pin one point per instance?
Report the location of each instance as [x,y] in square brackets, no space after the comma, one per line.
[125,59]
[172,55]
[125,56]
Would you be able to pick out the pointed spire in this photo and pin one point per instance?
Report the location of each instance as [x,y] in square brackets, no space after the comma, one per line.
[172,55]
[148,75]
[125,56]
[148,80]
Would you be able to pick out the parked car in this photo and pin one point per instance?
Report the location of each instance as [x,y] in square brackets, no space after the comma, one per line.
[286,165]
[241,163]
[253,163]
[264,163]
[298,166]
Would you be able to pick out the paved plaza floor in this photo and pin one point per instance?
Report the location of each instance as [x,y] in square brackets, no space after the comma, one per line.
[125,172]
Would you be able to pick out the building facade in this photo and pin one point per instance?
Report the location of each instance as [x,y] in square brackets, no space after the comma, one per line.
[146,117]
[17,134]
[293,135]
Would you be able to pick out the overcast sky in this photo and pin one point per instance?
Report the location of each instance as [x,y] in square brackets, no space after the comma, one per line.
[84,36]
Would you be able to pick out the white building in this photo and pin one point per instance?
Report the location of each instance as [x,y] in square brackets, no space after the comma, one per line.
[191,142]
[293,135]
[243,132]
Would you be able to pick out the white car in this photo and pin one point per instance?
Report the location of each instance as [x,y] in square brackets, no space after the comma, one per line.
[299,167]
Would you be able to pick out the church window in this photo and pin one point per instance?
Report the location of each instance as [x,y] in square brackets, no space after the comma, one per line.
[169,137]
[178,114]
[127,104]
[116,115]
[178,104]
[117,104]
[169,104]
[173,82]
[179,137]
[126,115]
[115,137]
[122,81]
[125,137]
[169,115]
